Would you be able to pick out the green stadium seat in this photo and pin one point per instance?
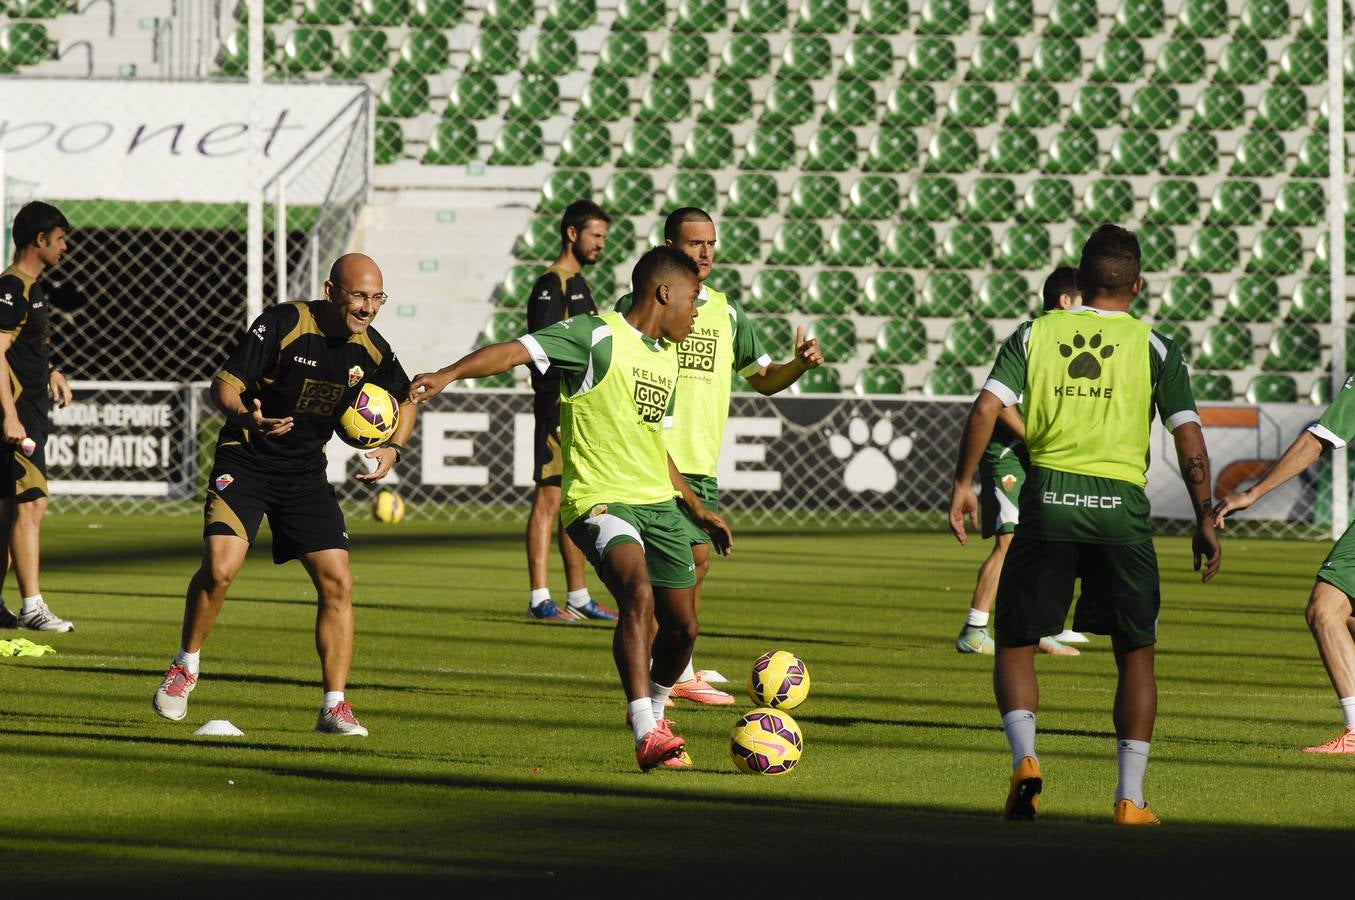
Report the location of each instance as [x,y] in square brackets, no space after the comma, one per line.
[889,293]
[534,97]
[621,240]
[832,148]
[1095,106]
[1158,245]
[1299,203]
[708,147]
[517,285]
[931,59]
[968,342]
[1303,62]
[1181,60]
[1272,389]
[362,51]
[1056,59]
[883,17]
[1186,298]
[910,103]
[604,100]
[1047,200]
[648,145]
[814,197]
[995,59]
[1034,106]
[972,105]
[773,331]
[1276,251]
[25,47]
[1134,153]
[1312,157]
[307,50]
[624,54]
[1220,108]
[1072,153]
[806,57]
[946,295]
[404,95]
[1071,18]
[775,291]
[1242,61]
[850,102]
[639,15]
[868,57]
[752,195]
[944,17]
[910,245]
[474,96]
[900,341]
[1264,18]
[832,292]
[1226,346]
[948,381]
[1349,105]
[1211,387]
[701,16]
[495,51]
[1252,298]
[1004,295]
[746,56]
[1108,200]
[563,187]
[1073,241]
[274,11]
[381,13]
[1008,17]
[892,149]
[571,15]
[629,193]
[874,197]
[1281,108]
[952,150]
[1192,153]
[585,144]
[990,199]
[1322,258]
[1203,18]
[1119,60]
[879,380]
[1173,202]
[518,144]
[508,14]
[798,243]
[821,16]
[762,16]
[553,52]
[769,147]
[1014,151]
[1178,334]
[683,55]
[390,142]
[540,239]
[1259,153]
[1320,394]
[1311,301]
[933,198]
[502,325]
[666,99]
[436,13]
[967,245]
[789,103]
[821,380]
[853,244]
[1024,247]
[325,12]
[1139,18]
[1235,202]
[1213,248]
[1294,347]
[696,189]
[727,281]
[740,241]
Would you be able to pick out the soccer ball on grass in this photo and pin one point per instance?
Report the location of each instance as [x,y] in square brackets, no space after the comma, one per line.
[765,742]
[388,507]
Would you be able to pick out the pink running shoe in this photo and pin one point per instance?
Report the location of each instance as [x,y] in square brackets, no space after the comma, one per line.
[699,691]
[171,698]
[1342,743]
[657,746]
[339,719]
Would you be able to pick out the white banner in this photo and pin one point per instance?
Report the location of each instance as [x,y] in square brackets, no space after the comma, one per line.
[182,140]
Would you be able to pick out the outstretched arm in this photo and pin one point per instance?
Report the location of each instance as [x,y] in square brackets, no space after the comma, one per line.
[489,360]
[978,431]
[1194,461]
[1305,450]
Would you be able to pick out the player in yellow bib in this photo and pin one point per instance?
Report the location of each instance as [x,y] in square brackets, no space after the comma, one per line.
[618,376]
[1091,379]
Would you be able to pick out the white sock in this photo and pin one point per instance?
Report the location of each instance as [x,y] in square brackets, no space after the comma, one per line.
[539,596]
[1348,710]
[641,717]
[1133,756]
[332,699]
[658,698]
[188,660]
[1020,727]
[31,603]
[688,674]
[977,618]
[579,598]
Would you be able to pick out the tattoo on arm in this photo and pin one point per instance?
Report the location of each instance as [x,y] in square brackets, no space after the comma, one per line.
[1196,470]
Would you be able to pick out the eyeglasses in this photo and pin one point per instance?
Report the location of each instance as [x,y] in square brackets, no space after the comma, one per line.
[380,298]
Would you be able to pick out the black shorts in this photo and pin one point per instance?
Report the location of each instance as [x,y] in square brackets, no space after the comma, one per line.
[548,463]
[30,470]
[302,507]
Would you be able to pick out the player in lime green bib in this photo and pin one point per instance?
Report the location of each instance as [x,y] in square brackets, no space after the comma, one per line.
[618,377]
[1090,379]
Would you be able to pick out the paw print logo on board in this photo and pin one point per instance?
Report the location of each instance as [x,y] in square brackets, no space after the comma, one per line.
[871,452]
[1086,364]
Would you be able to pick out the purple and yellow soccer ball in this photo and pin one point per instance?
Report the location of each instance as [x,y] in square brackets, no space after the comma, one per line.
[371,420]
[765,742]
[779,679]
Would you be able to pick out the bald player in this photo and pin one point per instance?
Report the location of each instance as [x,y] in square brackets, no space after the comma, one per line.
[282,391]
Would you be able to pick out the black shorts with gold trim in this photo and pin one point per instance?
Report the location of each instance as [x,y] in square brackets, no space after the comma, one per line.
[548,462]
[302,507]
[30,470]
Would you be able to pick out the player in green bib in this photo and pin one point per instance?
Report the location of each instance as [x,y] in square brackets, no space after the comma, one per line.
[618,377]
[722,343]
[1091,379]
[1329,611]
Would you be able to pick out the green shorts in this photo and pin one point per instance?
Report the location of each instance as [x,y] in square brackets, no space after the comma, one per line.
[1120,590]
[707,488]
[662,530]
[1000,495]
[1063,506]
[1338,569]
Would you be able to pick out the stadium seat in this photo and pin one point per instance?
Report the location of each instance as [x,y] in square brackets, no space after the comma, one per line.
[740,241]
[683,55]
[1272,389]
[585,144]
[966,246]
[534,97]
[707,147]
[972,105]
[1024,247]
[946,295]
[571,15]
[1322,256]
[1119,60]
[995,59]
[752,195]
[1252,298]
[769,147]
[1139,18]
[1349,105]
[1173,202]
[1235,202]
[933,198]
[381,13]
[1004,295]
[1056,59]
[1072,153]
[648,145]
[931,59]
[604,100]
[1294,347]
[789,103]
[1242,61]
[1226,346]
[814,197]
[874,197]
[1203,18]
[1192,153]
[1095,106]
[495,51]
[796,244]
[948,381]
[552,53]
[1312,158]
[1047,200]
[1108,200]
[879,380]
[910,103]
[1013,151]
[900,341]
[665,99]
[889,293]
[629,193]
[761,16]
[746,56]
[952,149]
[1211,387]
[1178,334]
[696,189]
[508,14]
[892,149]
[1071,18]
[1220,108]
[775,291]
[390,142]
[1212,249]
[624,54]
[832,292]
[822,380]
[307,50]
[869,58]
[806,57]
[325,12]
[1281,108]
[968,342]
[853,244]
[883,17]
[1299,203]
[1186,298]
[701,16]
[404,95]
[1155,106]
[1134,153]
[1303,62]
[727,281]
[1311,301]
[1158,246]
[22,45]
[621,239]
[436,13]
[502,325]
[1034,106]
[1320,393]
[850,102]
[1073,241]
[474,96]
[639,15]
[944,17]
[1008,17]
[774,332]
[1181,60]
[562,188]
[832,148]
[518,284]
[821,16]
[910,245]
[1259,153]
[362,52]
[990,199]
[837,338]
[1264,18]
[1277,250]
[518,144]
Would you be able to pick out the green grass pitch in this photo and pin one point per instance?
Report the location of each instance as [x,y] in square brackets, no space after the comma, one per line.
[499,756]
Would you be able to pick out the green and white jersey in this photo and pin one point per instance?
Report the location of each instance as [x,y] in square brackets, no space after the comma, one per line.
[616,398]
[1337,425]
[1091,380]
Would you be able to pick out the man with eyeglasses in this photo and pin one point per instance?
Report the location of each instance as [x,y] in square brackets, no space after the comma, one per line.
[282,392]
